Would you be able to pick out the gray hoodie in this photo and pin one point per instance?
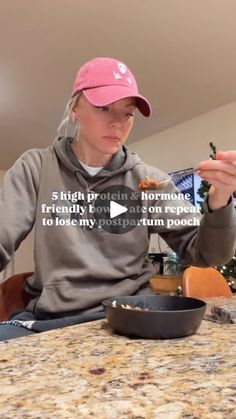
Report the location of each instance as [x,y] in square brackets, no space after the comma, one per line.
[77,267]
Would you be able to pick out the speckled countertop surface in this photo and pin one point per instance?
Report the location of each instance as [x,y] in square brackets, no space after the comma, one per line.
[87,371]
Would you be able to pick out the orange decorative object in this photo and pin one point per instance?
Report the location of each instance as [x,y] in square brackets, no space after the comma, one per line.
[204,282]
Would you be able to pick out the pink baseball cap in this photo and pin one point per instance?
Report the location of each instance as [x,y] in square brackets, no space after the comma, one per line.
[106,80]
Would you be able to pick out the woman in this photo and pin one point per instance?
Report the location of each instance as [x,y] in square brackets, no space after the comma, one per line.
[78,260]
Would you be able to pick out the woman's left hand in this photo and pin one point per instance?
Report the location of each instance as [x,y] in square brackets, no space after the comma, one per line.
[221,175]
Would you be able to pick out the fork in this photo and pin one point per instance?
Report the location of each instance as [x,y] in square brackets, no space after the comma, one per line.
[176,177]
[185,172]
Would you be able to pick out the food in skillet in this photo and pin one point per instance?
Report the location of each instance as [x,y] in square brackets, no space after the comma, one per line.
[128,307]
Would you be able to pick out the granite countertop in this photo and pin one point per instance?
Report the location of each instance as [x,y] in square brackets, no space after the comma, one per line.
[88,371]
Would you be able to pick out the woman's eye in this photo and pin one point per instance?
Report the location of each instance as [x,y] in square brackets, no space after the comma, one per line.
[103,108]
[130,114]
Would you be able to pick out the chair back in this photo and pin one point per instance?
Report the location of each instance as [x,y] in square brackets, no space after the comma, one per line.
[204,282]
[13,295]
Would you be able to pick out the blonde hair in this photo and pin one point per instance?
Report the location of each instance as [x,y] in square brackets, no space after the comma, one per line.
[68,127]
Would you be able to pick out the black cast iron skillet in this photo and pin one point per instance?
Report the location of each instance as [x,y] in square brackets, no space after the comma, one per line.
[165,317]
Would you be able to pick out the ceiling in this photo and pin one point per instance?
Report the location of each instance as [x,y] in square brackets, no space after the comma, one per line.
[182,52]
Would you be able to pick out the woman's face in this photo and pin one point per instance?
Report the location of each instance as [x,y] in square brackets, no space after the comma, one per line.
[104,129]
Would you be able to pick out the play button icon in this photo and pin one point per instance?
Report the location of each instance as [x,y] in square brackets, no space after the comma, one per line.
[116,209]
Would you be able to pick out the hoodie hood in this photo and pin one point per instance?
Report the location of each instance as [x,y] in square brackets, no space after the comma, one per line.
[121,162]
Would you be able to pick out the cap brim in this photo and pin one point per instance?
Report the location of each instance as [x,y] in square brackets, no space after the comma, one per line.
[105,95]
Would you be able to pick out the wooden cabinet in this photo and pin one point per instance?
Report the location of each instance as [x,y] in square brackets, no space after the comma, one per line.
[165,284]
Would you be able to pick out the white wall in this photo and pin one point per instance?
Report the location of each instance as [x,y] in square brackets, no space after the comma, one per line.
[186,144]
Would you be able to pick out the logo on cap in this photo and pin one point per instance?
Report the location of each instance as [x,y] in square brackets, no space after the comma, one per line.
[117,76]
[122,67]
